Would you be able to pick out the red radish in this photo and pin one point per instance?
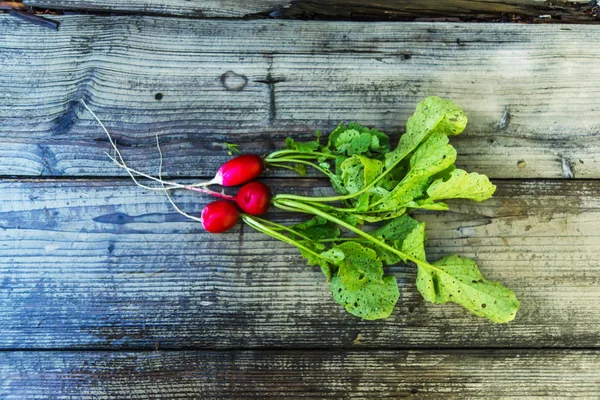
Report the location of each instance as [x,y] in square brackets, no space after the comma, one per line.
[239,170]
[254,198]
[219,216]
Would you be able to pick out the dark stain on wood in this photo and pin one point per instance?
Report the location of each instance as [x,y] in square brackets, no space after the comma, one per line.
[48,159]
[447,11]
[63,123]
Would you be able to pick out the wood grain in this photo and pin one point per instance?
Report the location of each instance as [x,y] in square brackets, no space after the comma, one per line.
[103,264]
[188,8]
[531,92]
[577,11]
[515,374]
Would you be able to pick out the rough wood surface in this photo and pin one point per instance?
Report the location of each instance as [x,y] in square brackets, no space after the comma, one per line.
[189,8]
[578,11]
[548,11]
[517,374]
[103,264]
[529,91]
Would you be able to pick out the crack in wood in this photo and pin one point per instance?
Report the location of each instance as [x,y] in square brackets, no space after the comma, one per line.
[270,82]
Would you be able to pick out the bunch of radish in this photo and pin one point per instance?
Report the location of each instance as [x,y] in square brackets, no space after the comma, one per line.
[252,198]
[374,185]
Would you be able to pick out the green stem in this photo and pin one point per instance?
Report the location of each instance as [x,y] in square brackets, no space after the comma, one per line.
[341,239]
[250,220]
[343,197]
[291,158]
[341,209]
[328,207]
[315,166]
[302,207]
[276,154]
[283,166]
[282,227]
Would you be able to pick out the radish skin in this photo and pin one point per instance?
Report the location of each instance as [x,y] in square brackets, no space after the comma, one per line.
[254,198]
[238,170]
[219,216]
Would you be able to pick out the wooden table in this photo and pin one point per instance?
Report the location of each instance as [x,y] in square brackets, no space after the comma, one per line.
[108,293]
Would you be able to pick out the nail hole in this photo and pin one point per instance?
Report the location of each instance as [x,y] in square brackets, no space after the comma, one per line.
[158,96]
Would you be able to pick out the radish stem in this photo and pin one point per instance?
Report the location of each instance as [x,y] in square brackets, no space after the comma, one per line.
[174,185]
[315,166]
[277,226]
[291,205]
[276,154]
[250,220]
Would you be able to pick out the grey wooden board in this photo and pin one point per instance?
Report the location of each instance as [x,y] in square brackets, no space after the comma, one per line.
[531,92]
[103,264]
[190,8]
[548,11]
[514,374]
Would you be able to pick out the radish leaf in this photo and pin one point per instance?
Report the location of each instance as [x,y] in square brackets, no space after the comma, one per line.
[458,280]
[360,286]
[370,300]
[433,115]
[462,184]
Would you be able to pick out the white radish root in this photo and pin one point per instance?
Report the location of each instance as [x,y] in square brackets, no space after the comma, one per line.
[165,185]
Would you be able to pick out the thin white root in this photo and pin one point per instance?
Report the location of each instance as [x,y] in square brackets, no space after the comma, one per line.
[179,210]
[116,149]
[131,170]
[122,164]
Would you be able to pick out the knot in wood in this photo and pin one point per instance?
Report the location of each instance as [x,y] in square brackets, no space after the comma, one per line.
[232,81]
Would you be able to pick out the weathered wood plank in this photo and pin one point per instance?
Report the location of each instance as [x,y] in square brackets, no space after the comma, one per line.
[548,11]
[104,264]
[531,92]
[516,374]
[189,8]
[577,11]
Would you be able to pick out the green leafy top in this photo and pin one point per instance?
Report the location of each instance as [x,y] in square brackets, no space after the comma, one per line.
[433,115]
[355,139]
[375,184]
[302,147]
